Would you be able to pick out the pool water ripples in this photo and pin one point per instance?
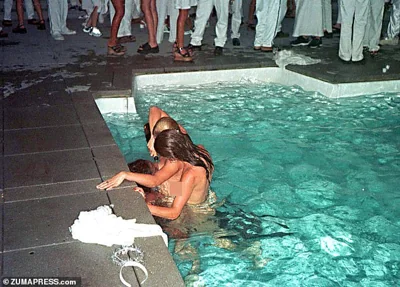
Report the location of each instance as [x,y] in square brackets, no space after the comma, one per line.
[311,184]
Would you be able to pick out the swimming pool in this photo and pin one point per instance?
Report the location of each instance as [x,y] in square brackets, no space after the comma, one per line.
[310,184]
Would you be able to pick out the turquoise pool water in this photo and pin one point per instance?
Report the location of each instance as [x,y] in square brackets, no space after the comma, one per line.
[311,184]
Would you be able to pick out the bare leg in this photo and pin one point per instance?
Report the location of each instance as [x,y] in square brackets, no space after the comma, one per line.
[20,13]
[93,18]
[119,6]
[38,8]
[151,18]
[181,53]
[252,9]
[180,33]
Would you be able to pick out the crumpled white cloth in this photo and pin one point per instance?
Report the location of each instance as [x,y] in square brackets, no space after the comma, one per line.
[103,227]
[288,57]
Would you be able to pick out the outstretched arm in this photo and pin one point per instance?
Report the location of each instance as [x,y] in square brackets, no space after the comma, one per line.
[155,113]
[167,171]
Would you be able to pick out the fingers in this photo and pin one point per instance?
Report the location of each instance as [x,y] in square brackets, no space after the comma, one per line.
[115,181]
[105,185]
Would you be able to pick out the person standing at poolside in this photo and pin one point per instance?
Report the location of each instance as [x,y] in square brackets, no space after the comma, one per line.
[267,24]
[354,21]
[393,28]
[182,53]
[58,12]
[150,16]
[374,25]
[125,28]
[166,8]
[94,8]
[114,48]
[282,14]
[20,13]
[308,24]
[203,12]
[28,9]
[236,8]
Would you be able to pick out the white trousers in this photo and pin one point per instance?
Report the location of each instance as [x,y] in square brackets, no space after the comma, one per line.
[352,35]
[164,8]
[327,15]
[267,13]
[58,12]
[203,12]
[236,20]
[8,7]
[339,14]
[282,14]
[374,24]
[125,28]
[309,19]
[394,24]
[136,11]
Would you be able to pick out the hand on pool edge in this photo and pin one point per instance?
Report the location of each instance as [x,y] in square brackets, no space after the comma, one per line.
[115,181]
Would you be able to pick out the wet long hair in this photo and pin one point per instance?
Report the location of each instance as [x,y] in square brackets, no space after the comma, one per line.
[172,144]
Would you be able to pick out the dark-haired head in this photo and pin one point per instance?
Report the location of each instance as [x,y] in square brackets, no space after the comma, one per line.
[143,166]
[172,144]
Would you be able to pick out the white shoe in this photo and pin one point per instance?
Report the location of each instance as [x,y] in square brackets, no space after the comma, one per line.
[87,29]
[389,41]
[95,32]
[58,37]
[83,17]
[68,32]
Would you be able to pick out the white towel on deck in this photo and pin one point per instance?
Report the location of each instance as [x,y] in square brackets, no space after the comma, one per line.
[103,227]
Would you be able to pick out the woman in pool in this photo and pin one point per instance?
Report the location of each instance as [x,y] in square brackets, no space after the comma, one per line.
[187,168]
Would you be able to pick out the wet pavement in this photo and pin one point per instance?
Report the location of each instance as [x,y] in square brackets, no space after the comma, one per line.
[56,146]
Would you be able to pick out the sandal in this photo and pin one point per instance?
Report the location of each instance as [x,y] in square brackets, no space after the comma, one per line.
[266,49]
[373,53]
[20,29]
[116,50]
[122,48]
[33,21]
[251,27]
[147,49]
[182,55]
[41,25]
[3,34]
[190,49]
[126,39]
[7,23]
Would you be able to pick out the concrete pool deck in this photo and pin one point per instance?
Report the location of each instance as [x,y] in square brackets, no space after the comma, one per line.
[56,146]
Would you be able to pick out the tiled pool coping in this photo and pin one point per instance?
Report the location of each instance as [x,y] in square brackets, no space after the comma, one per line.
[123,101]
[273,75]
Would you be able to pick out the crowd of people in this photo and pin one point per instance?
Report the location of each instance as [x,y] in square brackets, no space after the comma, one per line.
[359,23]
